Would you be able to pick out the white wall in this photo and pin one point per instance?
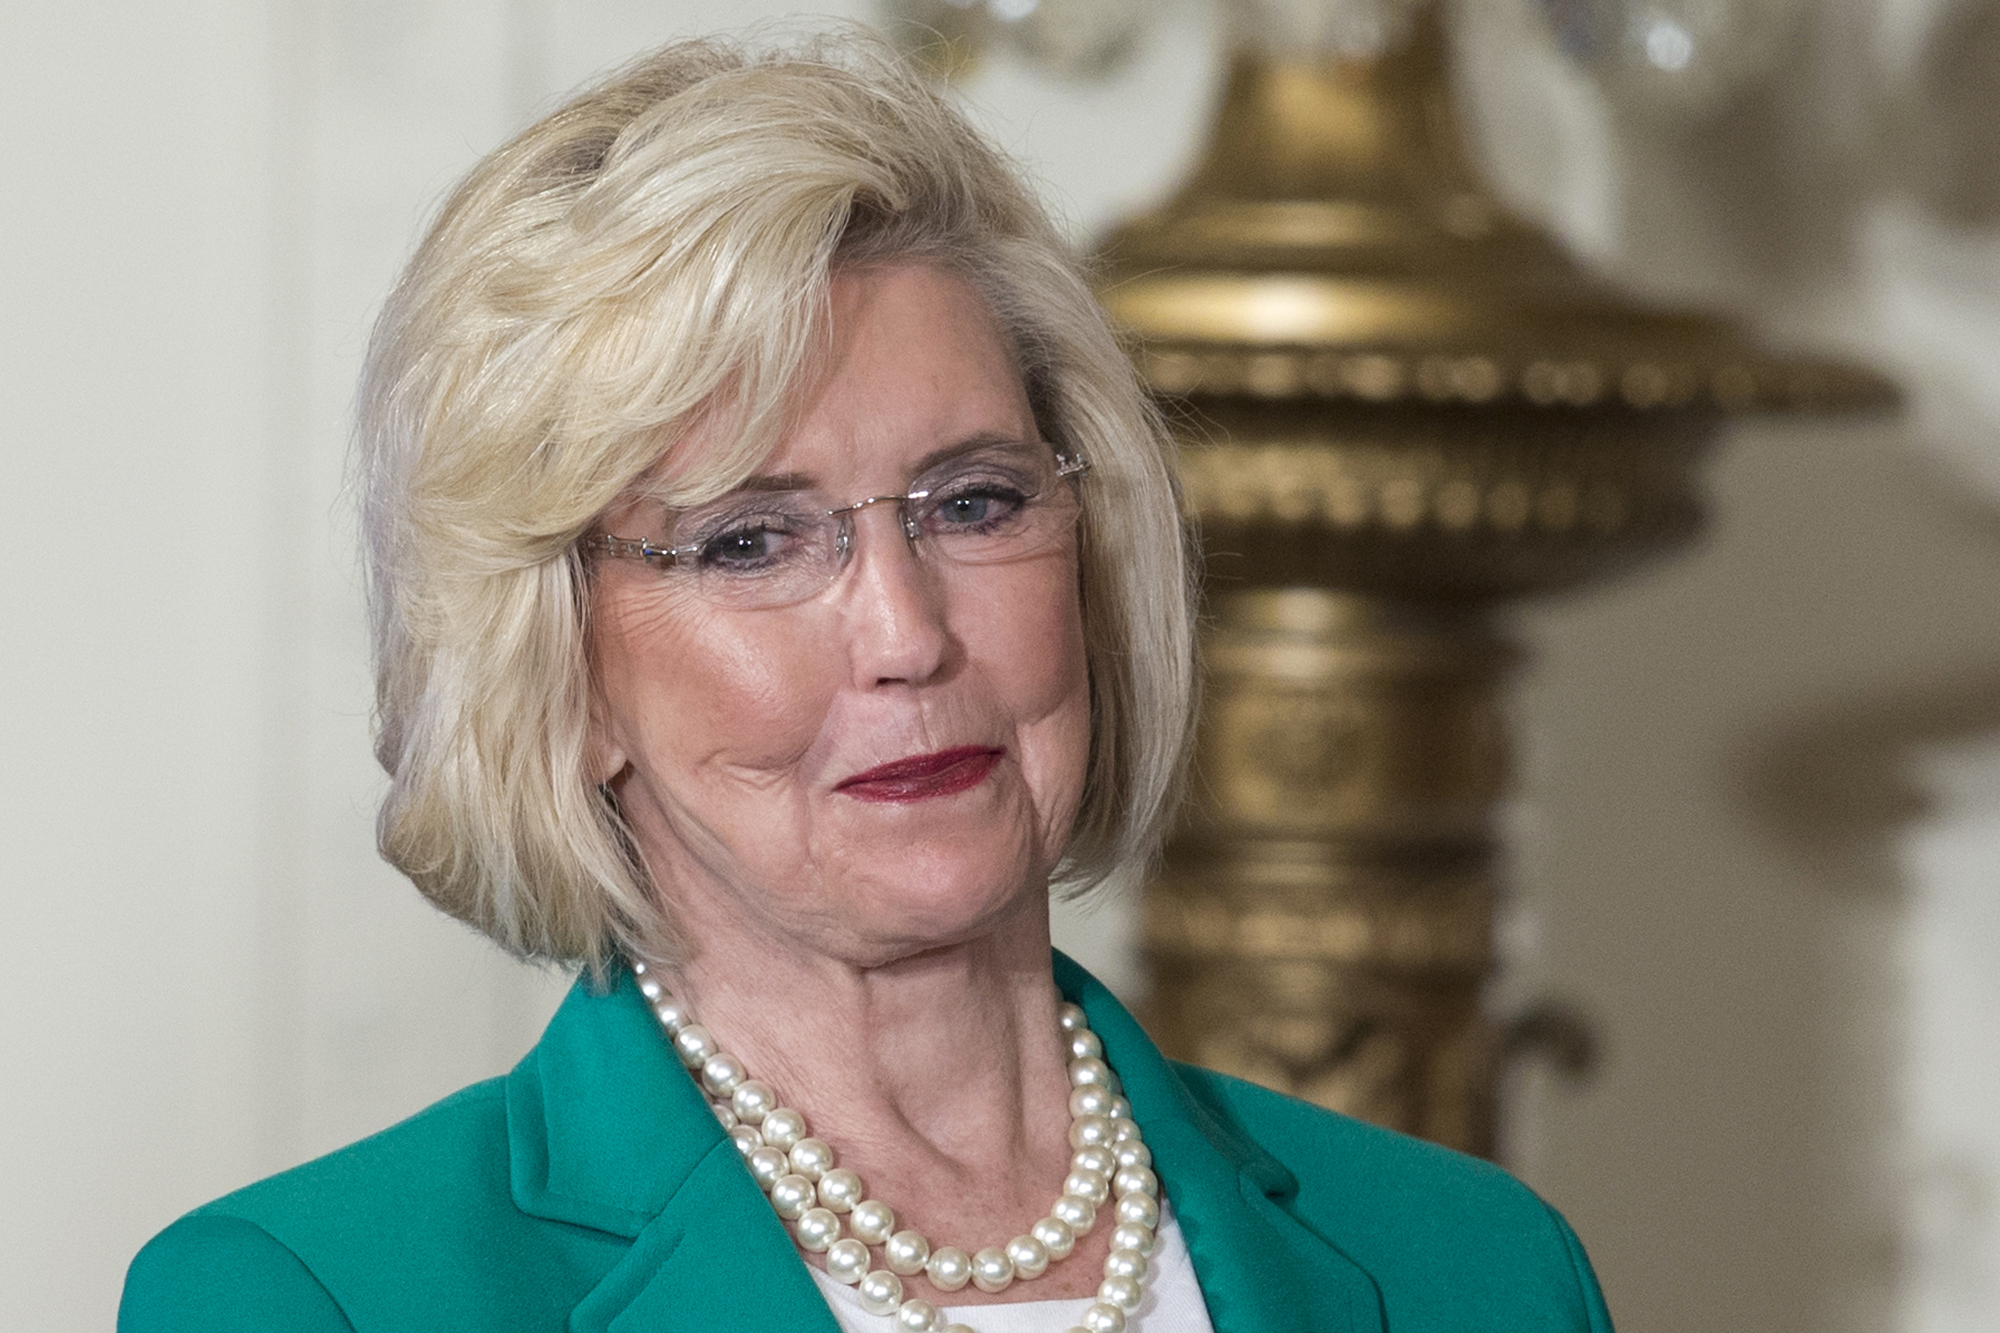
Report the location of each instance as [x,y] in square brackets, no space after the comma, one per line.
[143,645]
[209,976]
[1948,1151]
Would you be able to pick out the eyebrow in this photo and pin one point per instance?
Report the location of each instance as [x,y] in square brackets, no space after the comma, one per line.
[774,481]
[770,482]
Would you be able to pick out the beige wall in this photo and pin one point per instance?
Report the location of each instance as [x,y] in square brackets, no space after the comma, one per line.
[1725,852]
[1759,832]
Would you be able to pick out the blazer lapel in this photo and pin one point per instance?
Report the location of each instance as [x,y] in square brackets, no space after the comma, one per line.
[1261,1269]
[607,1131]
[710,1260]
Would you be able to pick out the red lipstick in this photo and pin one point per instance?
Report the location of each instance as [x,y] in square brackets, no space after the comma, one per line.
[923,776]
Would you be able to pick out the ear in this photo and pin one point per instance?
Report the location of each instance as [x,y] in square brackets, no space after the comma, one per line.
[604,758]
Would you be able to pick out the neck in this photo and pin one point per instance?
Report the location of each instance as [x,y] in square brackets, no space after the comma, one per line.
[940,1075]
[955,1046]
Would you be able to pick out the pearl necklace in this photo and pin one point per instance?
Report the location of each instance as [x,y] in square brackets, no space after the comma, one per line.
[808,1190]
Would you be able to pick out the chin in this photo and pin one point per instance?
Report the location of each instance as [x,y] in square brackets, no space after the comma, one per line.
[940,872]
[935,906]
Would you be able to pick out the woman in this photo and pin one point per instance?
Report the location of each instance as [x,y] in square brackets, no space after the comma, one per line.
[778,594]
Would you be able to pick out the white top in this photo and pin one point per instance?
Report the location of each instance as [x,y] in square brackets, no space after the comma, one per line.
[1173,1301]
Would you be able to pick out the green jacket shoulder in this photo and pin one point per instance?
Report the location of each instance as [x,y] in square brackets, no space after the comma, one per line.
[1443,1235]
[404,1225]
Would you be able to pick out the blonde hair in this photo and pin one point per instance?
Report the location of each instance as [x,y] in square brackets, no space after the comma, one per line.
[653,255]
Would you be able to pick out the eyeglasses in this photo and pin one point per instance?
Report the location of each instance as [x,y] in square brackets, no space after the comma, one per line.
[758,549]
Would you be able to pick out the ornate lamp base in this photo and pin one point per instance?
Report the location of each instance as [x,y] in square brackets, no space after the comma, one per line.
[1324,924]
[1401,407]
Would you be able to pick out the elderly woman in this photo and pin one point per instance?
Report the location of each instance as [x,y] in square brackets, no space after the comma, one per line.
[778,595]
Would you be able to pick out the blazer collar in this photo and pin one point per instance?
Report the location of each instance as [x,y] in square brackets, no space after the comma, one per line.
[603,1124]
[607,1131]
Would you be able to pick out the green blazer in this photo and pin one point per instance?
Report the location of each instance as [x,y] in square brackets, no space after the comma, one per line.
[590,1190]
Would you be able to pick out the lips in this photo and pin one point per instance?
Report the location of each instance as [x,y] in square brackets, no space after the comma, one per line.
[924,776]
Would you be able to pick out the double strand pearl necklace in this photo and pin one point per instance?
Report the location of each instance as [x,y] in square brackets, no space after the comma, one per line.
[808,1190]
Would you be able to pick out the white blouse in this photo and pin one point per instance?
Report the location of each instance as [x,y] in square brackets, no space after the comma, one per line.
[1173,1302]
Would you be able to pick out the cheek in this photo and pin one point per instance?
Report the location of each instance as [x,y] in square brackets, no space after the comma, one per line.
[687,690]
[1031,642]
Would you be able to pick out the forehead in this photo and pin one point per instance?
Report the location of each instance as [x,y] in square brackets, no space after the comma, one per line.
[916,363]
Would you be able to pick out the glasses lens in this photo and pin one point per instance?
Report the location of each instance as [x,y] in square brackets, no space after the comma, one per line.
[758,549]
[997,507]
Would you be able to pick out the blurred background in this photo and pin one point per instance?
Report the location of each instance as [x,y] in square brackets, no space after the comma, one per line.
[1753,835]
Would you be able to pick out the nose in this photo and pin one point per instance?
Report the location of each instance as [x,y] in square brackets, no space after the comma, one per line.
[893,605]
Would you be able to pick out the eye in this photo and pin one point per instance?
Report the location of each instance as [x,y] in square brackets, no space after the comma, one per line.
[741,547]
[746,539]
[974,504]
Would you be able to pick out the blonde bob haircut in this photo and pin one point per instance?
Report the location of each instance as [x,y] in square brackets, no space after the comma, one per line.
[652,257]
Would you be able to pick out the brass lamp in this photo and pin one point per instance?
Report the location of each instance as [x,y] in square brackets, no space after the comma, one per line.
[1399,407]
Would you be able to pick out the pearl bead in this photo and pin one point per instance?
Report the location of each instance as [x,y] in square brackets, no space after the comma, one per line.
[1134,1180]
[1070,1017]
[1104,1318]
[956,1328]
[1120,1109]
[672,1017]
[914,1316]
[840,1189]
[847,1261]
[812,1158]
[1089,1070]
[1089,1185]
[1081,1214]
[1056,1236]
[791,1196]
[694,1045]
[816,1229]
[1029,1256]
[1083,1043]
[1132,1153]
[723,1115]
[1099,1159]
[881,1292]
[1123,1292]
[1089,1131]
[949,1268]
[872,1221]
[1132,1236]
[782,1127]
[746,1138]
[649,986]
[721,1072]
[1090,1100]
[767,1164]
[752,1100]
[1140,1208]
[907,1252]
[1124,1131]
[1125,1263]
[992,1270]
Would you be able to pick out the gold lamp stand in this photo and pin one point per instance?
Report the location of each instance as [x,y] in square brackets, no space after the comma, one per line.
[1399,407]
